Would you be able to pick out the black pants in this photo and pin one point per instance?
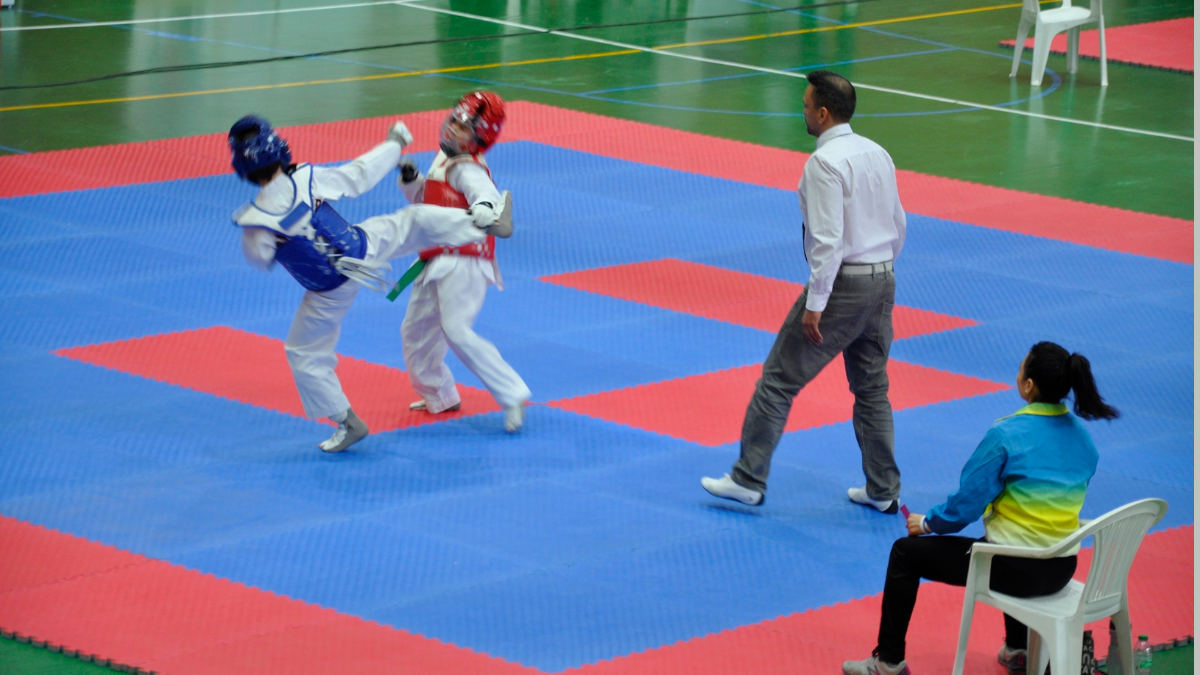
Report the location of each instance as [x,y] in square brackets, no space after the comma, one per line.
[946,559]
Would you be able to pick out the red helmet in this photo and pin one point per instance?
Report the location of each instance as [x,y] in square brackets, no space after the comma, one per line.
[480,111]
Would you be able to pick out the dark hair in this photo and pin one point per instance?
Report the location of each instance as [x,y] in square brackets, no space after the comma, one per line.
[833,92]
[263,174]
[1055,372]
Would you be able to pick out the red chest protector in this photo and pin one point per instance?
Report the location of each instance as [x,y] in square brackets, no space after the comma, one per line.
[439,192]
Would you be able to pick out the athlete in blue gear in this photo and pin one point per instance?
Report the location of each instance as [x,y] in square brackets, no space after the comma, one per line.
[292,221]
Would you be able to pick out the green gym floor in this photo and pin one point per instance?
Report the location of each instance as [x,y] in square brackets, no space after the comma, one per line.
[933,81]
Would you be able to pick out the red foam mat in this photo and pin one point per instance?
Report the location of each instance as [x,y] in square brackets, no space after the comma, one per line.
[253,369]
[99,600]
[708,409]
[194,156]
[735,297]
[1157,44]
[969,203]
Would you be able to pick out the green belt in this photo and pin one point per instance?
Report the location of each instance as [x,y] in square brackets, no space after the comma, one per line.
[407,279]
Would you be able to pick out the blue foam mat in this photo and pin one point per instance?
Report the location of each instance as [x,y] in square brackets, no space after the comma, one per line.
[578,539]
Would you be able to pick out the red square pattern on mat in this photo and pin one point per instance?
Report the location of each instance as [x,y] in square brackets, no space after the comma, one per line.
[708,409]
[725,295]
[253,369]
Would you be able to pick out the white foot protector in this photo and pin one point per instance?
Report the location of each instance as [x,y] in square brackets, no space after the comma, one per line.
[349,432]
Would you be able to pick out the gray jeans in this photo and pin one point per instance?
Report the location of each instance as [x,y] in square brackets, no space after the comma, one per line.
[857,323]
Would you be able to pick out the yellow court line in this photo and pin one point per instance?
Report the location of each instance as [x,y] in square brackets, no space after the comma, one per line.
[861,24]
[505,64]
[306,83]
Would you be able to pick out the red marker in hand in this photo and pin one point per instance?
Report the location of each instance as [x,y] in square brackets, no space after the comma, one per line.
[904,511]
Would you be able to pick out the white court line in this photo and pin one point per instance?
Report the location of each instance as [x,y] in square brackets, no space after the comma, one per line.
[786,73]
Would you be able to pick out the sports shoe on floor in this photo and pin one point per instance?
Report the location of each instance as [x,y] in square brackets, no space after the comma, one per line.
[503,227]
[859,496]
[873,666]
[726,488]
[422,405]
[514,417]
[1012,659]
[348,432]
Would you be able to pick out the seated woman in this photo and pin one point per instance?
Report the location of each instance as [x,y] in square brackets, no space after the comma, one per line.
[1027,479]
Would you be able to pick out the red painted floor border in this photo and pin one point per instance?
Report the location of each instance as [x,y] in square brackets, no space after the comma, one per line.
[969,203]
[99,600]
[1156,44]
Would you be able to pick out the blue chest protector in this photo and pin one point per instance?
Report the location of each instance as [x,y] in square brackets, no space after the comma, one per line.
[317,238]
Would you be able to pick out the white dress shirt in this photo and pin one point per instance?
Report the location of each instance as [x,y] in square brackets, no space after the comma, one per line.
[851,208]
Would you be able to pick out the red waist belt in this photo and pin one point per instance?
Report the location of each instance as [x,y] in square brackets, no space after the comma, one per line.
[485,249]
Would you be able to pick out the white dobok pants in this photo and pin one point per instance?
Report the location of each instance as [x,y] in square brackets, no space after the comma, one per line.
[313,338]
[441,314]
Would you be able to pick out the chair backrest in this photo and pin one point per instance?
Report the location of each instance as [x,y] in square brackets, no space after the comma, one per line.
[1116,536]
[1035,6]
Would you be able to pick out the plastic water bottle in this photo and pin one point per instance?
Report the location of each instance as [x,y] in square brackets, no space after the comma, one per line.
[1143,656]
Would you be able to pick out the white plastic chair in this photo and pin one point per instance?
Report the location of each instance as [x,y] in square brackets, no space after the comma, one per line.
[1056,621]
[1050,22]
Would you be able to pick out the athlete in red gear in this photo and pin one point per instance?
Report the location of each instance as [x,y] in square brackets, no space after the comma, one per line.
[449,292]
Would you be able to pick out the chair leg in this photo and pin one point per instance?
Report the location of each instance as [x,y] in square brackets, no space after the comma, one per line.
[1103,56]
[1072,50]
[1041,53]
[1124,640]
[964,632]
[1067,654]
[1036,654]
[1019,47]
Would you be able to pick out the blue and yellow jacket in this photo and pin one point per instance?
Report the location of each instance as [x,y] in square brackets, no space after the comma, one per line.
[1027,479]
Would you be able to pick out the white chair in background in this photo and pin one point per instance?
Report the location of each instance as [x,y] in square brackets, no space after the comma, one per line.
[1047,23]
[1056,621]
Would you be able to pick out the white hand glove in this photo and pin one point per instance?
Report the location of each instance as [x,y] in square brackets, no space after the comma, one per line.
[483,213]
[400,133]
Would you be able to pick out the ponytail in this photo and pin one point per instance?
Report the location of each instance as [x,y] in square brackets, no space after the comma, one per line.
[1055,372]
[1088,403]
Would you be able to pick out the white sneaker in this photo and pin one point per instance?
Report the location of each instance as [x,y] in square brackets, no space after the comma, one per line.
[726,488]
[514,417]
[859,496]
[422,405]
[348,432]
[503,227]
[873,666]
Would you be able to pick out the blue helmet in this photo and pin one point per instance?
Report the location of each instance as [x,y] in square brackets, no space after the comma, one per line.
[255,145]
